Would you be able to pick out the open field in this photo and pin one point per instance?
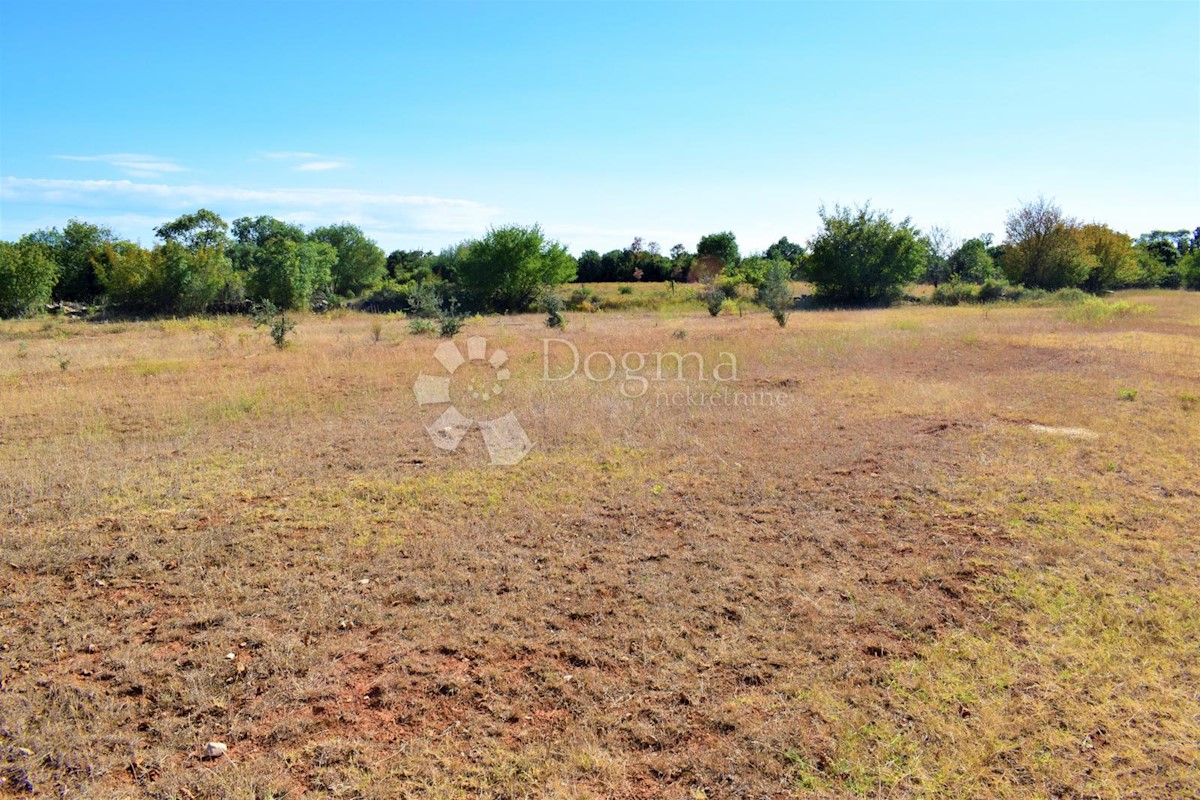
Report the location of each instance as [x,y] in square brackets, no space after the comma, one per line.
[886,582]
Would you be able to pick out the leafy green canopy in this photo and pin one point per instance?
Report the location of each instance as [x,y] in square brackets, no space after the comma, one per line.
[361,264]
[27,276]
[507,269]
[860,257]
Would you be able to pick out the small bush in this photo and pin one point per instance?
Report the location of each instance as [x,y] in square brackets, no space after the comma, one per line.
[450,320]
[419,326]
[1071,296]
[714,298]
[1094,311]
[583,299]
[775,292]
[625,289]
[276,321]
[425,301]
[952,293]
[991,290]
[552,304]
[1128,395]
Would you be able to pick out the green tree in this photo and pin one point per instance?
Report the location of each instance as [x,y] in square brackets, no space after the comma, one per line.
[1189,268]
[361,264]
[722,246]
[131,276]
[860,257]
[74,250]
[202,228]
[509,268]
[286,273]
[939,246]
[1043,247]
[404,266]
[784,250]
[751,270]
[27,276]
[971,262]
[169,279]
[281,265]
[251,232]
[590,266]
[1110,258]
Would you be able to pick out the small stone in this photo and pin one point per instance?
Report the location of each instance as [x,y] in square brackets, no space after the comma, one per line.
[364,581]
[230,656]
[215,749]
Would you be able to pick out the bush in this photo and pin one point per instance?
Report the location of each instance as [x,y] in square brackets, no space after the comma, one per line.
[390,297]
[359,264]
[1094,311]
[419,326]
[714,294]
[552,304]
[583,299]
[775,292]
[1044,247]
[288,273]
[625,289]
[1070,296]
[27,276]
[170,279]
[511,266]
[1189,269]
[954,292]
[276,321]
[991,290]
[861,257]
[451,320]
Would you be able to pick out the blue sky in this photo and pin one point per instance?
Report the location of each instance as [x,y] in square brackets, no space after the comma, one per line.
[426,123]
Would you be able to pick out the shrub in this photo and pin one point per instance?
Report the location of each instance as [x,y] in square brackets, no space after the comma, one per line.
[775,292]
[714,297]
[625,289]
[510,266]
[860,257]
[1070,296]
[450,322]
[419,326]
[276,321]
[583,299]
[954,292]
[1094,311]
[288,273]
[168,279]
[359,263]
[552,304]
[424,300]
[991,290]
[27,276]
[1189,269]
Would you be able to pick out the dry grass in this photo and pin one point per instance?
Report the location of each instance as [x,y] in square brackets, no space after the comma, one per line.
[890,586]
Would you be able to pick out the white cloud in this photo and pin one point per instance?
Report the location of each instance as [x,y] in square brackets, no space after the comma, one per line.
[138,165]
[289,155]
[319,166]
[391,218]
[310,162]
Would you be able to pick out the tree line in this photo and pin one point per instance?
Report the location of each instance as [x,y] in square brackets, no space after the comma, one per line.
[860,256]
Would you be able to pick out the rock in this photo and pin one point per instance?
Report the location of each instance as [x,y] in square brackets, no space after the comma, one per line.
[215,749]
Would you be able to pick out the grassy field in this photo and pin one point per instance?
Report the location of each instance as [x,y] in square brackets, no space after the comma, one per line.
[954,555]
